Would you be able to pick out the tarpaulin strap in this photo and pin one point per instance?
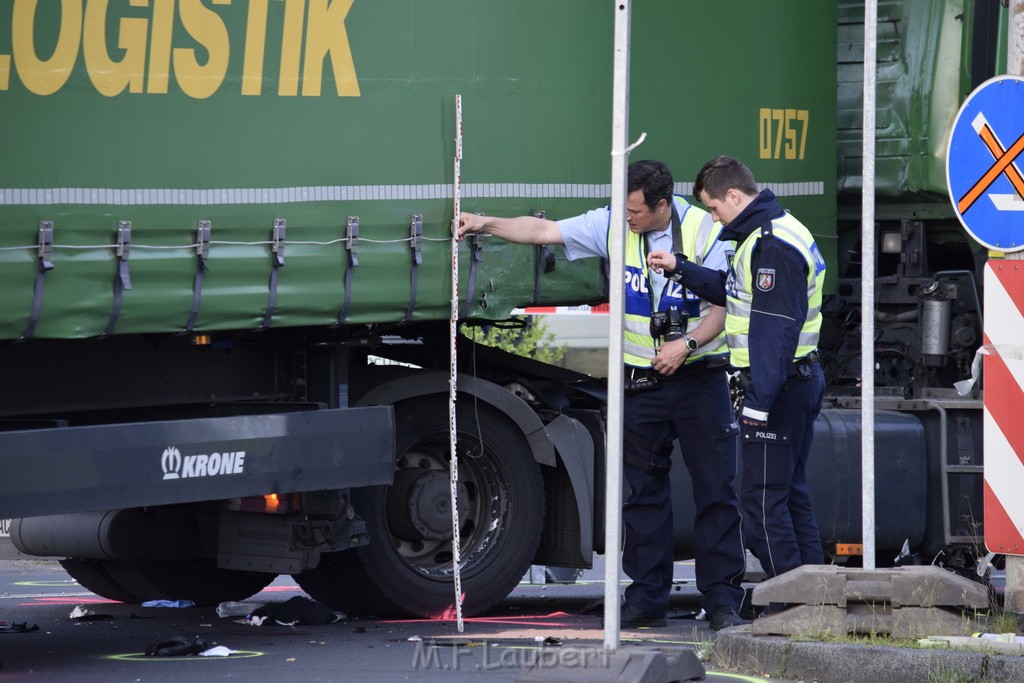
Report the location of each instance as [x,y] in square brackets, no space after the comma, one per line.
[604,267]
[416,244]
[44,251]
[202,254]
[276,264]
[123,279]
[476,255]
[545,264]
[544,259]
[352,247]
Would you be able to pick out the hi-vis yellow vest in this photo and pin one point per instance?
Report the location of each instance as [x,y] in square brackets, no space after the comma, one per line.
[699,235]
[739,290]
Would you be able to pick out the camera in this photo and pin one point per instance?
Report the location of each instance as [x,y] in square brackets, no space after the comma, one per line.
[669,325]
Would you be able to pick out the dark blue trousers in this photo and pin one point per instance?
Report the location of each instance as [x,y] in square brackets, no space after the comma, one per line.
[696,410]
[781,530]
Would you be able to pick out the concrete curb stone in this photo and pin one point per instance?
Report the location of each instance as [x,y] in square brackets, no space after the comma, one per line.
[780,657]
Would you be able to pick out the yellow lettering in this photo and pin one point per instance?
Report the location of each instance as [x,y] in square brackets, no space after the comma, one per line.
[804,117]
[124,50]
[781,125]
[325,35]
[45,76]
[790,147]
[255,39]
[765,133]
[207,28]
[291,47]
[160,46]
[778,115]
[108,76]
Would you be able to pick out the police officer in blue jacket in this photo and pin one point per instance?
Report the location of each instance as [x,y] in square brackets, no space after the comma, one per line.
[676,389]
[772,293]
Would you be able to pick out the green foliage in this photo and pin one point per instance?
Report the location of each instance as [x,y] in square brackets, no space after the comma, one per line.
[1003,622]
[529,338]
[948,674]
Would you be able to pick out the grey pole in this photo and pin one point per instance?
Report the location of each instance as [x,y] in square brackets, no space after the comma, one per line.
[867,284]
[1015,39]
[1014,591]
[616,295]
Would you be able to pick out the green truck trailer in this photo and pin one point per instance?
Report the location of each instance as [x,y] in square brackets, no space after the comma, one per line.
[217,217]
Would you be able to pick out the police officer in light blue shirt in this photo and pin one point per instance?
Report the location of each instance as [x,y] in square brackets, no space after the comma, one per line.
[675,357]
[587,235]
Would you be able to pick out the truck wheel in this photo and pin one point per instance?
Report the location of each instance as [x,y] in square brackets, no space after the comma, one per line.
[200,581]
[135,582]
[406,570]
[92,575]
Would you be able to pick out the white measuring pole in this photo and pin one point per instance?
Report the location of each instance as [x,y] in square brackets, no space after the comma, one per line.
[616,295]
[867,289]
[454,334]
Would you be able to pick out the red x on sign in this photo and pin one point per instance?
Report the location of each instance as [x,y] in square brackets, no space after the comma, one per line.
[1003,164]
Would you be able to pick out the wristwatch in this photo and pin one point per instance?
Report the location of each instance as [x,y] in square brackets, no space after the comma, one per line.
[691,343]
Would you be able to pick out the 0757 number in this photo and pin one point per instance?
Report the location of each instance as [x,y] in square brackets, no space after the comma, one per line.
[783,133]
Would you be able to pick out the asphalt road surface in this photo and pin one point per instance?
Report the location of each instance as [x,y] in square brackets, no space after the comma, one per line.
[539,625]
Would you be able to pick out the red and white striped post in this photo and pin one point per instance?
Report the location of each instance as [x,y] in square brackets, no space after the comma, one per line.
[1004,430]
[1004,377]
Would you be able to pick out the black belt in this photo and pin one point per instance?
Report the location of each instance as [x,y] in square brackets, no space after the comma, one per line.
[795,368]
[699,366]
[687,370]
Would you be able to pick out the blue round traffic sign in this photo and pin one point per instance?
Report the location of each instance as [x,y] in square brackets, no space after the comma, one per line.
[983,162]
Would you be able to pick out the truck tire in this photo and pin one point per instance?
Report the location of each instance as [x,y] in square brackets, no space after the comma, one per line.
[405,570]
[136,582]
[92,575]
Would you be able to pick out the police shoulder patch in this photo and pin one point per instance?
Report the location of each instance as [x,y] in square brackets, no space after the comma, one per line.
[765,279]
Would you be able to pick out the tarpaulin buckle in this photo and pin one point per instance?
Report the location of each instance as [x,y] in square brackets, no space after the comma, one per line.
[352,247]
[44,252]
[416,245]
[277,242]
[203,232]
[123,278]
[352,240]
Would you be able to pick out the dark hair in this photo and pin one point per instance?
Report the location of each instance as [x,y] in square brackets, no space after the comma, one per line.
[654,178]
[722,174]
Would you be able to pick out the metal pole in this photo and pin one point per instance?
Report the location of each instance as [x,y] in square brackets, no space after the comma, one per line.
[616,295]
[1014,591]
[867,284]
[1015,39]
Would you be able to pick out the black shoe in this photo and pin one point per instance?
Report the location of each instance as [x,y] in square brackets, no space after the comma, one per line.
[724,616]
[632,617]
[594,608]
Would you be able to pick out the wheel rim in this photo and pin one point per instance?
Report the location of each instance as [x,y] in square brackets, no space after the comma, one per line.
[419,501]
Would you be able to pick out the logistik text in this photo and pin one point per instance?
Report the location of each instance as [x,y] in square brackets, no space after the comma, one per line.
[198,48]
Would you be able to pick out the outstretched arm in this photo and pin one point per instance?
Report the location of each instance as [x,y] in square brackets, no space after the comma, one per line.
[521,229]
